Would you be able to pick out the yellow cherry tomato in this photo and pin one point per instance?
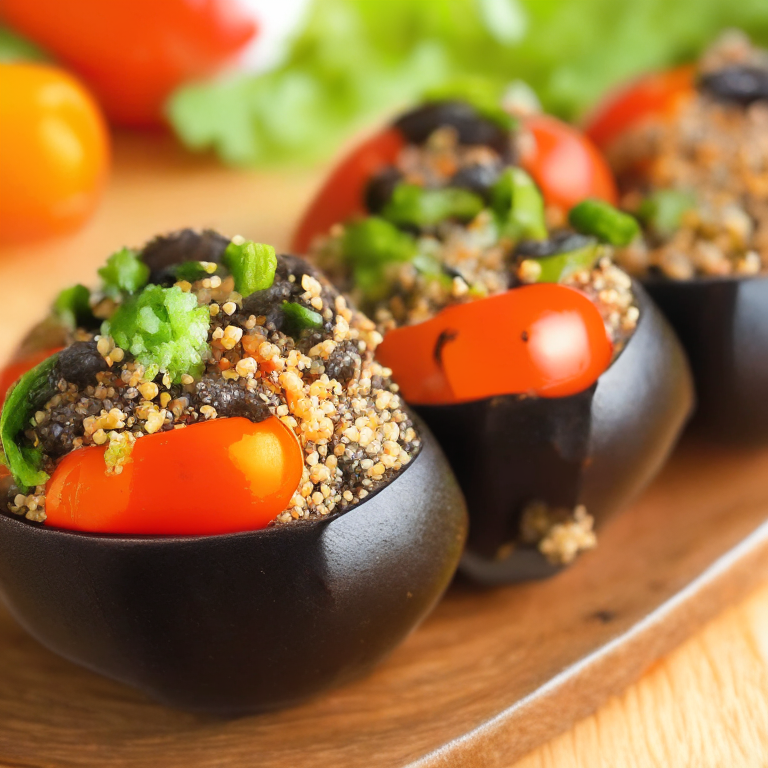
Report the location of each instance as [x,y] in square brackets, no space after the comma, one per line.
[54,152]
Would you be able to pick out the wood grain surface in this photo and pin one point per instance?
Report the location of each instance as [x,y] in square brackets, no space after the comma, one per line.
[491,675]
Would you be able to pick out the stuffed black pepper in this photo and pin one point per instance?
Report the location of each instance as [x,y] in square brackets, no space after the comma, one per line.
[690,149]
[552,383]
[215,492]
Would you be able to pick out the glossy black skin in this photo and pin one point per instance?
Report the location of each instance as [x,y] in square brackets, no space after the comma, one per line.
[243,622]
[599,447]
[741,85]
[723,325]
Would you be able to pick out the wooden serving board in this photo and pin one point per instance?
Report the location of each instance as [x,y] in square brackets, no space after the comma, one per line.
[490,674]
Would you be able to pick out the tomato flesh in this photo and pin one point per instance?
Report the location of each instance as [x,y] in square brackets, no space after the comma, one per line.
[221,476]
[656,95]
[566,165]
[133,53]
[54,152]
[547,340]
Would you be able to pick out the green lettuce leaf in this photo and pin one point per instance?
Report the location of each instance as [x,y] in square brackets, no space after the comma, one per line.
[29,393]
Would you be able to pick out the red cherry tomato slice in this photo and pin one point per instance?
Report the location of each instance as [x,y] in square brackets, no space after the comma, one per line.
[133,53]
[17,368]
[566,165]
[341,196]
[546,340]
[220,476]
[656,95]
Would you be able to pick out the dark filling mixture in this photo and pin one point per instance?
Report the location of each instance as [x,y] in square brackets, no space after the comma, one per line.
[699,181]
[197,327]
[453,221]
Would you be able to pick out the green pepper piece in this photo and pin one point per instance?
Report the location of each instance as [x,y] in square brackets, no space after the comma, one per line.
[420,207]
[519,206]
[664,209]
[608,224]
[558,267]
[253,265]
[299,318]
[29,393]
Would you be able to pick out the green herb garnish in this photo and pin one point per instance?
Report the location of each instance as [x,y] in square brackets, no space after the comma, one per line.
[299,318]
[191,271]
[253,266]
[519,206]
[29,393]
[72,307]
[420,207]
[164,329]
[124,273]
[603,221]
[664,209]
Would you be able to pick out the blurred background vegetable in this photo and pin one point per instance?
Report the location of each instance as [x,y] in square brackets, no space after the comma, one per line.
[54,152]
[352,61]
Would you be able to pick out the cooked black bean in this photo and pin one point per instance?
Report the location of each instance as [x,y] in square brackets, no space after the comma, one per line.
[380,188]
[419,124]
[165,252]
[737,84]
[230,398]
[343,362]
[562,242]
[478,178]
[80,363]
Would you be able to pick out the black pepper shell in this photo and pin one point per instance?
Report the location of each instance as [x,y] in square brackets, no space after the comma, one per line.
[597,448]
[723,326]
[472,129]
[249,621]
[742,85]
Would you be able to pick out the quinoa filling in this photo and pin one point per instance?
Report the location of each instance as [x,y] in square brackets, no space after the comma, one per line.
[699,181]
[249,334]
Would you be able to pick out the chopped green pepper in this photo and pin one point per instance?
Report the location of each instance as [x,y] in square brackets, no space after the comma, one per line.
[598,218]
[420,207]
[253,265]
[519,206]
[664,209]
[299,318]
[560,266]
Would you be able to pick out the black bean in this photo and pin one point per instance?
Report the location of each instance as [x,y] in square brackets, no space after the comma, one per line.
[736,84]
[562,242]
[343,362]
[79,363]
[477,178]
[380,188]
[165,252]
[230,398]
[419,124]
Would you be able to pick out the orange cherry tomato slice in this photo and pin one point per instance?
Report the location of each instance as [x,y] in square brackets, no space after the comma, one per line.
[656,95]
[134,53]
[220,476]
[546,340]
[566,165]
[17,368]
[54,152]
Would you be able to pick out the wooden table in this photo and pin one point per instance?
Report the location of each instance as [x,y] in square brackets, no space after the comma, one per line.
[706,704]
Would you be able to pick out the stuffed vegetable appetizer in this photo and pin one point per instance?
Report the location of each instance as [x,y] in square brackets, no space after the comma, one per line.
[690,149]
[208,469]
[552,383]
